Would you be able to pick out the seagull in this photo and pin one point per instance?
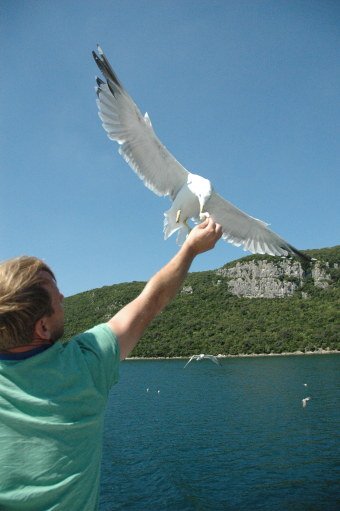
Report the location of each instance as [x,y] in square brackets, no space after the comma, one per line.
[201,357]
[193,196]
[304,401]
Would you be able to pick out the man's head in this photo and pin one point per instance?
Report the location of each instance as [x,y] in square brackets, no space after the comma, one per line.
[30,303]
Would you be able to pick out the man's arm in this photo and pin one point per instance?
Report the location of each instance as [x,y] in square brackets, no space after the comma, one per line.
[131,321]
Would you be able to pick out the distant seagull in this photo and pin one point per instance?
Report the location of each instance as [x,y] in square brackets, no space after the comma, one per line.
[201,357]
[304,401]
[305,384]
[193,196]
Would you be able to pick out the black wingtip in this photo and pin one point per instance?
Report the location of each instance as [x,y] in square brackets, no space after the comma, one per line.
[95,56]
[105,67]
[98,61]
[299,254]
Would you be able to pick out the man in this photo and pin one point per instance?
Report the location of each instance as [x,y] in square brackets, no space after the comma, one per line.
[53,395]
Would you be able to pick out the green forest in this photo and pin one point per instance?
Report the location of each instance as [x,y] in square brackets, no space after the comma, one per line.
[213,320]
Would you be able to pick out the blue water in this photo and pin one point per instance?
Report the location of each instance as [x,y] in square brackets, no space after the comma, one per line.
[234,437]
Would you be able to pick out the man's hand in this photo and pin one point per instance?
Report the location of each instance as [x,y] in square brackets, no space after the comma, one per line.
[204,236]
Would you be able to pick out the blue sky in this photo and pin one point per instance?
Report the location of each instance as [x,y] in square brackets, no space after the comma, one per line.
[243,92]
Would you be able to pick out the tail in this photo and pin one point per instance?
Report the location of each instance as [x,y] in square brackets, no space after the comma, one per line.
[171,226]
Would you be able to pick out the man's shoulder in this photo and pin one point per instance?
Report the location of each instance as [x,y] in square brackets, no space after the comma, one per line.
[97,336]
[100,350]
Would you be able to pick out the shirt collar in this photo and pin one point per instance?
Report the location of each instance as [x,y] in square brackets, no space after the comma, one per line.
[24,354]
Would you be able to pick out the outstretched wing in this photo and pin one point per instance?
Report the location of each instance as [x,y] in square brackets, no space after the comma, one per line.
[139,145]
[242,229]
[213,359]
[190,359]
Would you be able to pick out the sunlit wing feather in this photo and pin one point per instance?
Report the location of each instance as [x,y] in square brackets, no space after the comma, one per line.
[244,230]
[139,145]
[213,359]
[190,359]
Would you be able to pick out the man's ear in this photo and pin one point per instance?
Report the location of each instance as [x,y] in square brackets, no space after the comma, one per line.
[41,329]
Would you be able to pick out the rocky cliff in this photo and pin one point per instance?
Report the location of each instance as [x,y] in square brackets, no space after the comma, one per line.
[257,304]
[274,277]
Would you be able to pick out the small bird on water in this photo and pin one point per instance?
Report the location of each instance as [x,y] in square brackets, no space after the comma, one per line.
[193,196]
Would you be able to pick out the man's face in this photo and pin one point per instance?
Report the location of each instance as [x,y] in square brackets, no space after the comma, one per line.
[56,320]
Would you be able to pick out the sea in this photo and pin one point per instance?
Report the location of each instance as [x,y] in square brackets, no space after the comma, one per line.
[231,437]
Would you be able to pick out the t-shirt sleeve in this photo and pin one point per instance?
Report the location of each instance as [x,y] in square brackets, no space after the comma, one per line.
[100,349]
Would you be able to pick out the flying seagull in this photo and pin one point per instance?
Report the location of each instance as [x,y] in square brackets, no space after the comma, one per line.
[193,196]
[201,357]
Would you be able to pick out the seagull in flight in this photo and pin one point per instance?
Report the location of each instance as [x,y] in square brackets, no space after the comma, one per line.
[305,401]
[193,196]
[201,357]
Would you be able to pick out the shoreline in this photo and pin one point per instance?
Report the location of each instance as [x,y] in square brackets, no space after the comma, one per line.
[248,355]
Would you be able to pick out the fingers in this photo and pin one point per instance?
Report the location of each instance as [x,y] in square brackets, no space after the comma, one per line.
[204,223]
[209,223]
[218,230]
[204,236]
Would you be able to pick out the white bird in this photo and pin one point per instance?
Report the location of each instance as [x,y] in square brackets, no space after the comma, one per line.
[304,401]
[193,196]
[201,357]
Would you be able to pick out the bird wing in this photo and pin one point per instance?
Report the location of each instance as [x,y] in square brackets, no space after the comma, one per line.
[190,359]
[139,145]
[242,229]
[213,359]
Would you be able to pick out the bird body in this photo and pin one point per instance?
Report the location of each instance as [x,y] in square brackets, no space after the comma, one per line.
[193,196]
[201,357]
[189,203]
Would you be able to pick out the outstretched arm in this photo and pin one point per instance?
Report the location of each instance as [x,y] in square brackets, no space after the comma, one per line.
[131,321]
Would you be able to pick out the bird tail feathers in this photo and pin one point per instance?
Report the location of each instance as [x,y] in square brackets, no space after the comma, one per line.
[171,226]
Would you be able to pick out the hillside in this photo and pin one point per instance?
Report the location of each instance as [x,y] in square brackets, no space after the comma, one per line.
[257,304]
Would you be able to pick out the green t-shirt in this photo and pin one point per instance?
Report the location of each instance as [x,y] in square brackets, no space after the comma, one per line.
[52,409]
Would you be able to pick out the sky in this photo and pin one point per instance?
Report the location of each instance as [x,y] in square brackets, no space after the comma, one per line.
[243,92]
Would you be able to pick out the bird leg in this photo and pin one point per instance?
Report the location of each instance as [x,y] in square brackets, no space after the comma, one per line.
[185,222]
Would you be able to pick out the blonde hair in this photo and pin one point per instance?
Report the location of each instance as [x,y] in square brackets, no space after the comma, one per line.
[23,299]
